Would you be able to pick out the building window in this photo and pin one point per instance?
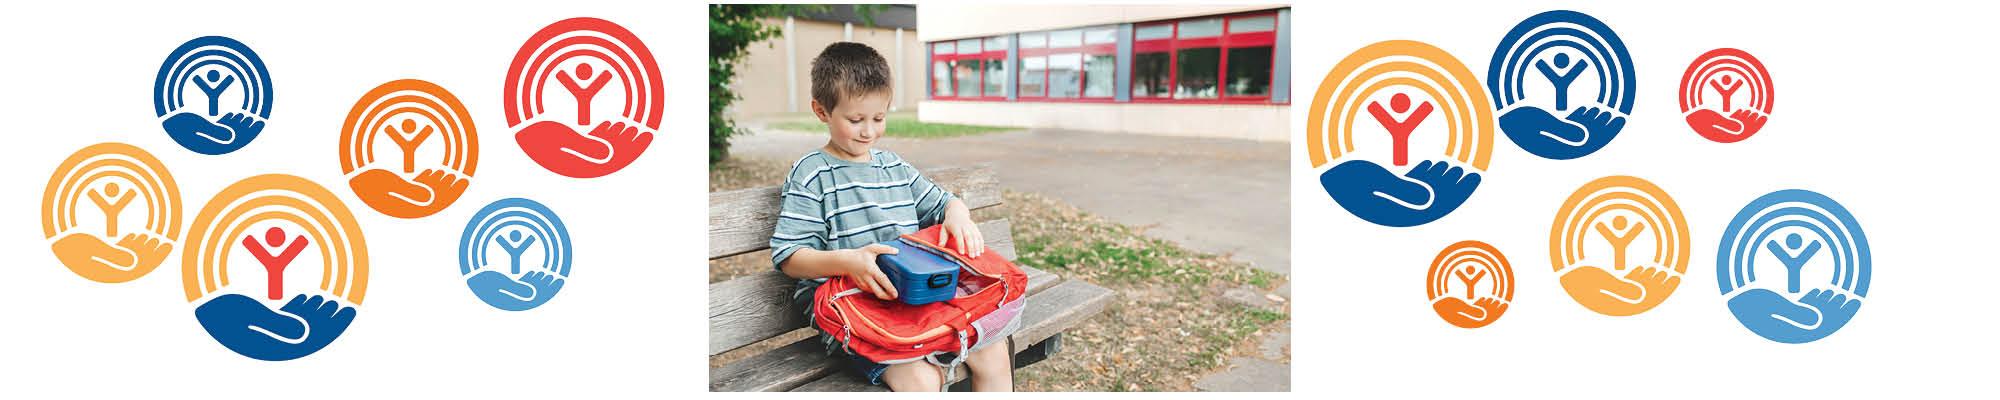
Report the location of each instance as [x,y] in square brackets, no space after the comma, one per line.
[1197,68]
[967,74]
[969,68]
[1098,71]
[941,79]
[1207,59]
[1069,64]
[1151,77]
[1249,71]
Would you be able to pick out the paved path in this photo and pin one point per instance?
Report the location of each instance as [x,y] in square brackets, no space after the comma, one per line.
[1221,196]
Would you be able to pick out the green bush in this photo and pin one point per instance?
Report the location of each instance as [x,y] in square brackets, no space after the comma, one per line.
[732,28]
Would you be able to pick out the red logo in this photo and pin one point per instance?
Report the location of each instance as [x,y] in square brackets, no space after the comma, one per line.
[606,104]
[1726,95]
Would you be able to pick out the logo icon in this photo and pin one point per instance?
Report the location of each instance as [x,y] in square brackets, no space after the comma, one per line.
[408,112]
[1638,232]
[519,228]
[1791,227]
[584,56]
[1572,52]
[1724,73]
[1401,84]
[111,177]
[274,219]
[233,89]
[1468,263]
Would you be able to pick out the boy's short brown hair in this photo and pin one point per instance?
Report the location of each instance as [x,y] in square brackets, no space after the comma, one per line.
[847,69]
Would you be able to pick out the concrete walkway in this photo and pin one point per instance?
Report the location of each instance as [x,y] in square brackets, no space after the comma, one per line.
[1221,196]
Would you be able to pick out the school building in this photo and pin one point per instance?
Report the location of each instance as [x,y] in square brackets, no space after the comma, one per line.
[1184,70]
[775,77]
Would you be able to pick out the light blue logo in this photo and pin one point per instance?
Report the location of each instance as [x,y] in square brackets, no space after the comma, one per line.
[1793,227]
[231,85]
[515,230]
[1572,52]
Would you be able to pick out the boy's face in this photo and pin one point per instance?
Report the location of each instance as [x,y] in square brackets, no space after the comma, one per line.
[855,123]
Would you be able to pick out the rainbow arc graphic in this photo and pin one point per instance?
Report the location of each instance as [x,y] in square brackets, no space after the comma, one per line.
[408,112]
[1617,209]
[1562,29]
[1400,65]
[1466,264]
[119,175]
[631,63]
[1724,72]
[584,57]
[257,200]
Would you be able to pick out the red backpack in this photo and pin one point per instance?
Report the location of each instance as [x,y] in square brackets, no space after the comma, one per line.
[987,310]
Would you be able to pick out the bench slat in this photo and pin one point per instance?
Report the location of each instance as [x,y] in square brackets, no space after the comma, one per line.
[750,309]
[786,367]
[1049,312]
[740,221]
[776,370]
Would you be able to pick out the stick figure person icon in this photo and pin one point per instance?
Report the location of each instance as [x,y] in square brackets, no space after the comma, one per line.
[1561,80]
[1471,262]
[135,196]
[208,69]
[606,135]
[1726,95]
[1562,47]
[519,228]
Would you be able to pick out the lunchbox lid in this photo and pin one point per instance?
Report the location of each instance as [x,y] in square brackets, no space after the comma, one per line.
[920,260]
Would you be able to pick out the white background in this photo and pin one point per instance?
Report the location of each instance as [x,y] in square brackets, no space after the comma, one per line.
[82,73]
[1880,107]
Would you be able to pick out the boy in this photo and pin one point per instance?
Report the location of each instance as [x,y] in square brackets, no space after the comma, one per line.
[842,200]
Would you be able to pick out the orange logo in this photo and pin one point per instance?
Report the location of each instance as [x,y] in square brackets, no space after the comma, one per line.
[1646,237]
[111,176]
[408,112]
[1465,265]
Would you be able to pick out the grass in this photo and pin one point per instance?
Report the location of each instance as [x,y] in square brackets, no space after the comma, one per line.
[1119,254]
[902,124]
[1168,327]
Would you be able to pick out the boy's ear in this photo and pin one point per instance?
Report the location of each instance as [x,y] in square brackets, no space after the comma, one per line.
[820,111]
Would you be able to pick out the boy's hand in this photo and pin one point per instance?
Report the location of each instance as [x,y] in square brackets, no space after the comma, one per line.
[861,269]
[958,223]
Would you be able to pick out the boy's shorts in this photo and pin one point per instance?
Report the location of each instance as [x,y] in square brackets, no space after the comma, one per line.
[871,371]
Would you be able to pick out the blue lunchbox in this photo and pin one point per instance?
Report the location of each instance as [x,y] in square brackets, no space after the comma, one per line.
[920,274]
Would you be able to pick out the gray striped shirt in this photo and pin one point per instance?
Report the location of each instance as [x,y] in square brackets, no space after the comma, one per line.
[832,204]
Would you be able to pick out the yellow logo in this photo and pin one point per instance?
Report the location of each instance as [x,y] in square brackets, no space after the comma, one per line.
[1636,240]
[111,177]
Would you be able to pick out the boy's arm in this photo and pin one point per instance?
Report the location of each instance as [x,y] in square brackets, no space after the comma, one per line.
[958,223]
[856,264]
[941,207]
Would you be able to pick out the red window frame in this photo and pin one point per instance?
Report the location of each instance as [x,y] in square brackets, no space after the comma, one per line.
[1223,42]
[984,56]
[1083,51]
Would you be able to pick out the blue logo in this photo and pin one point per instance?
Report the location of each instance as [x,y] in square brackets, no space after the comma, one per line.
[521,229]
[232,89]
[1793,226]
[1566,49]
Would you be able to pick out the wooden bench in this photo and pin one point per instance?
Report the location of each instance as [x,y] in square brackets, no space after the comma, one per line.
[756,308]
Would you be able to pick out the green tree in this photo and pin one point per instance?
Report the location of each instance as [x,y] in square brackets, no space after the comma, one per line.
[732,28]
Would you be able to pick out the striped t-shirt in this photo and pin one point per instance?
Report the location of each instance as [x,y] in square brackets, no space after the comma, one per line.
[833,204]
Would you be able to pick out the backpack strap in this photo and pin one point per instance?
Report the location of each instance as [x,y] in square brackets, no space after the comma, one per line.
[951,368]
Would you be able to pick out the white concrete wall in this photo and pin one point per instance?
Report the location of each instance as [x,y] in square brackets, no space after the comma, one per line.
[965,20]
[1261,122]
[762,76]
